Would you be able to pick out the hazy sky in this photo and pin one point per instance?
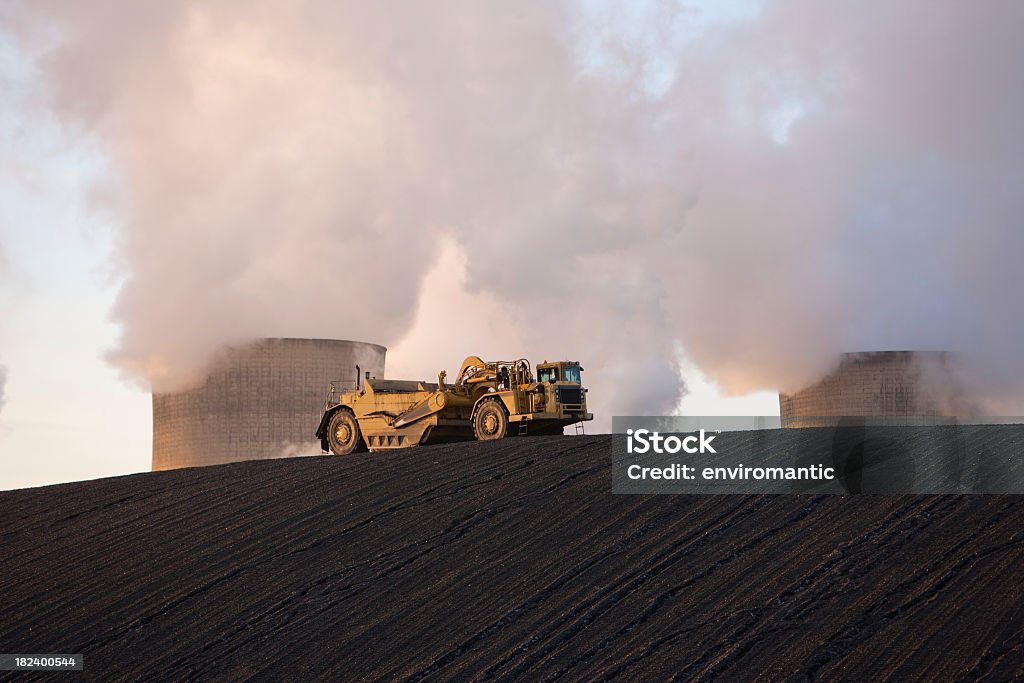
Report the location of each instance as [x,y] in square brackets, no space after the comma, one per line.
[683,198]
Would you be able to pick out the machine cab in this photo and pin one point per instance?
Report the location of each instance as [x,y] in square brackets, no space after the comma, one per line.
[562,371]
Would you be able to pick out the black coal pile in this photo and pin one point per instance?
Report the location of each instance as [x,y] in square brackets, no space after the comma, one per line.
[497,560]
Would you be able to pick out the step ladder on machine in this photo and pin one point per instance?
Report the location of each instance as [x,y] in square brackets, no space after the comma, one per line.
[579,429]
[522,426]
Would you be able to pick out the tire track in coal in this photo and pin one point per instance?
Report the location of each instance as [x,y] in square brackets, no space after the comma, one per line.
[537,599]
[549,590]
[456,529]
[821,571]
[201,590]
[455,525]
[750,634]
[199,512]
[844,641]
[990,661]
[103,551]
[658,603]
[551,560]
[667,596]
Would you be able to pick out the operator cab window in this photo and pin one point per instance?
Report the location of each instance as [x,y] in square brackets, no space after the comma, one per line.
[572,374]
[547,375]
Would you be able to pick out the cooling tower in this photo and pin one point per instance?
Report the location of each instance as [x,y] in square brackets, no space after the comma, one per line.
[260,400]
[879,384]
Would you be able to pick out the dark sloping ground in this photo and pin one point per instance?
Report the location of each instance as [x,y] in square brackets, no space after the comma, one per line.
[513,558]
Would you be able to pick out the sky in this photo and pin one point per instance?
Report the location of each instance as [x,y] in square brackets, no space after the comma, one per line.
[67,415]
[704,202]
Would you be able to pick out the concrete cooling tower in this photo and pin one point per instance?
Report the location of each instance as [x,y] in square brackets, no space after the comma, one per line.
[260,400]
[880,384]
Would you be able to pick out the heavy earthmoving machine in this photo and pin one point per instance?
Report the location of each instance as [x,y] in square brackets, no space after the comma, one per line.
[488,400]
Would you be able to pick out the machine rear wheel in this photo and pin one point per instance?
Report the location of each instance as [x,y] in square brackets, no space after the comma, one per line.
[343,433]
[491,421]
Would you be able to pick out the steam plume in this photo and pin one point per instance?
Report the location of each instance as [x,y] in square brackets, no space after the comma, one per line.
[764,192]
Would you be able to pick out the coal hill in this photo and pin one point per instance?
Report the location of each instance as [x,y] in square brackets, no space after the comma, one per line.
[498,560]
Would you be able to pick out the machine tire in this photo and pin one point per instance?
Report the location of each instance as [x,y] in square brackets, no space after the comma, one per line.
[343,433]
[491,421]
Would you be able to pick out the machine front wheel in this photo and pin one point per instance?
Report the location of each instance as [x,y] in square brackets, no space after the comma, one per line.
[343,433]
[491,421]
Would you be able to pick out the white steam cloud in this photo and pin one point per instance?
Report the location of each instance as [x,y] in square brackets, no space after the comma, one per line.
[762,192]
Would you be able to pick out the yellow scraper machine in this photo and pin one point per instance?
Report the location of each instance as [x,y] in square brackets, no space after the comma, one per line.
[488,400]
